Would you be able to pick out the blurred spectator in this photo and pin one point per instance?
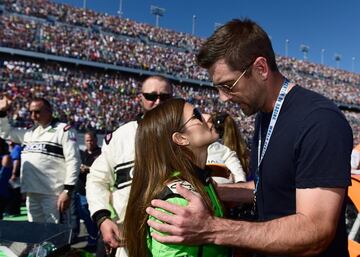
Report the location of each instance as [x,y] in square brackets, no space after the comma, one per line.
[5,174]
[16,198]
[232,138]
[219,153]
[88,156]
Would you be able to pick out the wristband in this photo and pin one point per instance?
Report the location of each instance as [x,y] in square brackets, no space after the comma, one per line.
[101,220]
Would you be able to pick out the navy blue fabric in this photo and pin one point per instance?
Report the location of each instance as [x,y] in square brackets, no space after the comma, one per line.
[310,147]
[5,175]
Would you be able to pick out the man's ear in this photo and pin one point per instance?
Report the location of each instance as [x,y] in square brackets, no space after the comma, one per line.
[261,67]
[179,139]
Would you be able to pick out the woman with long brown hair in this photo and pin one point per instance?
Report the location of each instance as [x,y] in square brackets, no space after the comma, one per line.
[232,138]
[171,147]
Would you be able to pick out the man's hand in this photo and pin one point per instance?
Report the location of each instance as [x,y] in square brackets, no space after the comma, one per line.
[187,225]
[5,103]
[111,235]
[84,168]
[13,178]
[63,202]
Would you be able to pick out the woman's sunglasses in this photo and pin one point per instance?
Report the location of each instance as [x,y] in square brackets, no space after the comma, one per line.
[153,97]
[196,115]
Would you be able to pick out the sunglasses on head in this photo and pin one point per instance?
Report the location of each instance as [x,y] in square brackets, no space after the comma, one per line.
[153,97]
[196,115]
[219,120]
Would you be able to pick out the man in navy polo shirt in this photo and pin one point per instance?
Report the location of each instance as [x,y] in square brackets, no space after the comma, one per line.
[300,158]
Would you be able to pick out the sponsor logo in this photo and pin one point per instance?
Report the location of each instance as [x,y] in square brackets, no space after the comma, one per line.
[183,183]
[35,148]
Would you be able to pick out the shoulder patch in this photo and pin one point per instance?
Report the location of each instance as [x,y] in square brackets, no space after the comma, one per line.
[31,126]
[67,127]
[183,183]
[108,138]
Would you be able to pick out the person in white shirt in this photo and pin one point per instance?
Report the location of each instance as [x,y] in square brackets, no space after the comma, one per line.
[49,160]
[220,156]
[111,173]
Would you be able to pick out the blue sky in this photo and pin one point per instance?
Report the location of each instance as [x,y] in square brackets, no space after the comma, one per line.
[332,25]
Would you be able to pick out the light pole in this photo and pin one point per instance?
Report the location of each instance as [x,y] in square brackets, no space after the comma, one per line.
[157,11]
[337,58]
[84,4]
[120,12]
[287,47]
[193,24]
[305,50]
[322,56]
[353,64]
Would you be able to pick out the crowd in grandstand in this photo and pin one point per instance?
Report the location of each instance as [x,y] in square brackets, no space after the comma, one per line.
[86,98]
[87,35]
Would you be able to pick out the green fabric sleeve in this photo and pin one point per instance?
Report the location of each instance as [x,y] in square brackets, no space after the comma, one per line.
[158,249]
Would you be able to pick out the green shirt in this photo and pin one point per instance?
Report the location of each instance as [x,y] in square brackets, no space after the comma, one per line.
[158,249]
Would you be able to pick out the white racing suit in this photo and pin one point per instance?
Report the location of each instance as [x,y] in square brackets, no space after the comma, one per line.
[111,173]
[221,154]
[50,159]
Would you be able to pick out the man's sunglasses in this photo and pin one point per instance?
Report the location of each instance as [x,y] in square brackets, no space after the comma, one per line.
[196,115]
[35,111]
[153,97]
[228,88]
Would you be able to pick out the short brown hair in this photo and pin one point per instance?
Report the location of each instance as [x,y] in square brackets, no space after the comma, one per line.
[45,102]
[159,78]
[239,42]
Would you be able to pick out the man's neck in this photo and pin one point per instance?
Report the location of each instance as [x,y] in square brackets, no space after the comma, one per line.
[274,87]
[90,151]
[45,124]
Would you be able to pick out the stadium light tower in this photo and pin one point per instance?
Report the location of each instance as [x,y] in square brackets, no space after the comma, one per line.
[353,64]
[287,47]
[84,4]
[157,11]
[322,56]
[193,24]
[120,11]
[305,50]
[337,58]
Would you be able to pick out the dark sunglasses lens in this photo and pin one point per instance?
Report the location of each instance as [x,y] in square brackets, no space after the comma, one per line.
[150,97]
[154,97]
[197,114]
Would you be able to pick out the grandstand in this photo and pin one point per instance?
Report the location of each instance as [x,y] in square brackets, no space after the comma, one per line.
[84,62]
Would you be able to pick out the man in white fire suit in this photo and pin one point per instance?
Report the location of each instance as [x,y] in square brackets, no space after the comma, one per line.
[110,174]
[49,160]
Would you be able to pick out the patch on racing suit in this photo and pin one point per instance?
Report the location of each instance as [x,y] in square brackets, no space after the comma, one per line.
[183,183]
[67,127]
[108,137]
[123,173]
